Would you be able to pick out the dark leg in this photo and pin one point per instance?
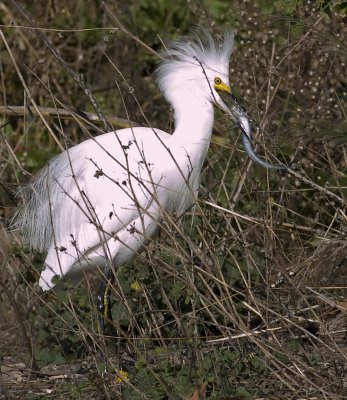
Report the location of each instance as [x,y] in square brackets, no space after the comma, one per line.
[103,302]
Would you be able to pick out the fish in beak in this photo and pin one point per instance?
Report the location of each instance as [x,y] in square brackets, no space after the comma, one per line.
[233,108]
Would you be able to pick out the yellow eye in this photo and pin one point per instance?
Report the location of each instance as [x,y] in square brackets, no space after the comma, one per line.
[220,86]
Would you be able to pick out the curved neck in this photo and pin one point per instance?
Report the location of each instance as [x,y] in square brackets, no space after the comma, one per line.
[194,118]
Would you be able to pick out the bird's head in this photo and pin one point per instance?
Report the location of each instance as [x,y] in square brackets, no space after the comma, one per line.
[195,71]
[197,68]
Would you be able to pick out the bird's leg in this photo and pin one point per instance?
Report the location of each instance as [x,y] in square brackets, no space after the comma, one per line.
[104,300]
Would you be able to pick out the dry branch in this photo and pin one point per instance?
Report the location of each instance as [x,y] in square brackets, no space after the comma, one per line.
[64,114]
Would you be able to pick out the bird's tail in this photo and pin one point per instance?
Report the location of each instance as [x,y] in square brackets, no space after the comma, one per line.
[33,218]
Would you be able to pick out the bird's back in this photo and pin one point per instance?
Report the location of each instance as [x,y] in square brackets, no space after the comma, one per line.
[96,189]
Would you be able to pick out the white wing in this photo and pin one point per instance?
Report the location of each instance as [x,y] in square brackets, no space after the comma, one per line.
[97,192]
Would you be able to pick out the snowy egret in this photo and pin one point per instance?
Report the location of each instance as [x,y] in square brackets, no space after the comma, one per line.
[98,203]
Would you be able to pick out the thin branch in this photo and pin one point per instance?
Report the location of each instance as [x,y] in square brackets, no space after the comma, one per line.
[27,91]
[51,112]
[123,29]
[315,186]
[19,317]
[68,69]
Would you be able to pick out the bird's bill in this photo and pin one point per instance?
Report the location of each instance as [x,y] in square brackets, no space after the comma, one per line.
[233,108]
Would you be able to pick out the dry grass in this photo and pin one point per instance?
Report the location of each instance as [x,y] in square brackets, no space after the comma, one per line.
[244,296]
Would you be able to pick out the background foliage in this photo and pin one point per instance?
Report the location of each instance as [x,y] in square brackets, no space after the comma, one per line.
[245,300]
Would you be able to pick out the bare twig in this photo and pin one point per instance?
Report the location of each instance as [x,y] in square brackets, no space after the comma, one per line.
[27,91]
[69,70]
[315,186]
[123,29]
[51,112]
[20,318]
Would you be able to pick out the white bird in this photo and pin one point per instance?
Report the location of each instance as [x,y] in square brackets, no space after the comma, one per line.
[98,203]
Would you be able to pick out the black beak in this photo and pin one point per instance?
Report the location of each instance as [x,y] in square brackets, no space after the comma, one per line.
[239,114]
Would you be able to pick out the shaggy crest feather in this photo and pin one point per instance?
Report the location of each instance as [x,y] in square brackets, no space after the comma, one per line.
[198,50]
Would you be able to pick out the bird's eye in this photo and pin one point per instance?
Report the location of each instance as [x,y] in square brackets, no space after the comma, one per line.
[217,81]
